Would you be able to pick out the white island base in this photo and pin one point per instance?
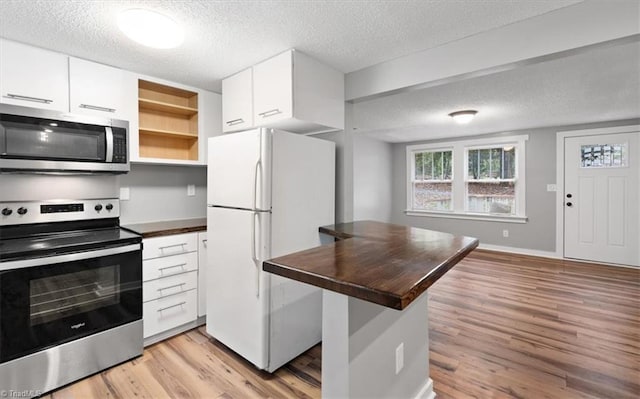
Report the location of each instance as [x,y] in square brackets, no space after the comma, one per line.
[363,343]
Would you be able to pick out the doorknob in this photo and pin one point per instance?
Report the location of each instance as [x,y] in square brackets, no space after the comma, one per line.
[569,204]
[569,196]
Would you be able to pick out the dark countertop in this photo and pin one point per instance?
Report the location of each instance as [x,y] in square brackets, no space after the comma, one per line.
[169,227]
[387,264]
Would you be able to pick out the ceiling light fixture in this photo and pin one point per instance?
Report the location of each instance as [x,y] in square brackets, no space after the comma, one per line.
[463,117]
[150,28]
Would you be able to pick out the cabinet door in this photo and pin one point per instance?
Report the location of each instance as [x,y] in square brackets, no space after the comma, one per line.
[202,274]
[273,89]
[237,106]
[32,77]
[96,89]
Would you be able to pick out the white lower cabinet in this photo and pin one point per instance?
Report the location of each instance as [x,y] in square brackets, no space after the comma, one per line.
[172,311]
[170,287]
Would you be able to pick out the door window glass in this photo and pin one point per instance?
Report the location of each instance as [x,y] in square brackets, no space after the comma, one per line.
[603,155]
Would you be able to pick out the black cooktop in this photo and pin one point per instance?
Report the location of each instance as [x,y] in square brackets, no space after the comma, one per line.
[15,244]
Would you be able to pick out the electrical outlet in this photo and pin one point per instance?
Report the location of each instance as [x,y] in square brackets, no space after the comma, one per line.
[551,187]
[399,357]
[125,193]
[505,233]
[191,190]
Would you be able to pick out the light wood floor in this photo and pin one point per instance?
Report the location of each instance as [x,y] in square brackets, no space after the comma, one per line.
[501,326]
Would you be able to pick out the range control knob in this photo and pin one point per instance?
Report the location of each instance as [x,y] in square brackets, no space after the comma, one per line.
[98,208]
[7,211]
[109,207]
[22,210]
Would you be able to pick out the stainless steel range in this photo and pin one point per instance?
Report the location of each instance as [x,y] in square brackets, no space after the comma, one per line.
[70,292]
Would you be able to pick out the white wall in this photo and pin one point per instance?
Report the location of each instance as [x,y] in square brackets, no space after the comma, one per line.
[160,193]
[372,178]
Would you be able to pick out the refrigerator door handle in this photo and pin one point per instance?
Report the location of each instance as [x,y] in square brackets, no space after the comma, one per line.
[254,256]
[255,183]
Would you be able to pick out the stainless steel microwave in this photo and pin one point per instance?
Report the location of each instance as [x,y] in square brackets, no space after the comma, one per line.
[43,141]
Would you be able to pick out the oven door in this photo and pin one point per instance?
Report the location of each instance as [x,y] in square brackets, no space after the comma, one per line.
[52,300]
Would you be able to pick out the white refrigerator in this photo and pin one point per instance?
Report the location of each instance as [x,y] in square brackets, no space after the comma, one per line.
[268,192]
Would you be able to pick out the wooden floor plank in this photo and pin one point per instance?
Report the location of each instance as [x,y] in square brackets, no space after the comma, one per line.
[500,325]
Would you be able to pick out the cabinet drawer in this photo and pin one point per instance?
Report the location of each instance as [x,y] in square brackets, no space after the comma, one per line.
[169,245]
[167,286]
[169,266]
[166,313]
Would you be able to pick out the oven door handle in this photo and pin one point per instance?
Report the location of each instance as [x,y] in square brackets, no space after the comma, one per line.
[48,260]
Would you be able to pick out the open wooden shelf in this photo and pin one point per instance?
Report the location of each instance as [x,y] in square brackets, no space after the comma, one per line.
[160,132]
[160,106]
[168,118]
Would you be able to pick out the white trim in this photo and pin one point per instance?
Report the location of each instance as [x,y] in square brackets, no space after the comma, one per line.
[520,251]
[426,392]
[547,254]
[560,137]
[467,143]
[487,217]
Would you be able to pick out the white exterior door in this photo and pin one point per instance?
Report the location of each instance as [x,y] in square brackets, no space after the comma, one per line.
[601,193]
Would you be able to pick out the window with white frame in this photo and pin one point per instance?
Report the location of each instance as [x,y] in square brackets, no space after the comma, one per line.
[481,178]
[431,180]
[491,180]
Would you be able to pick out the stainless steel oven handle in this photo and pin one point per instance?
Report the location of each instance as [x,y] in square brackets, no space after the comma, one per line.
[49,260]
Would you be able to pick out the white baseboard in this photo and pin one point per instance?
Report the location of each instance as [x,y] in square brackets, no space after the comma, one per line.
[520,251]
[426,392]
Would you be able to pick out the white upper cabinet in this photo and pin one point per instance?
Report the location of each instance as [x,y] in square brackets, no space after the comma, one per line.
[290,91]
[237,106]
[33,77]
[273,89]
[96,89]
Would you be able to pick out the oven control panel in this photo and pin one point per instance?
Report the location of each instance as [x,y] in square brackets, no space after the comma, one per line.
[27,212]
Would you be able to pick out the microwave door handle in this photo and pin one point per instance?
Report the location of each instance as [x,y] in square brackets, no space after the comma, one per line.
[109,135]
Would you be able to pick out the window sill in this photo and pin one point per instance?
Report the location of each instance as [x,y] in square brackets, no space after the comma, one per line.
[487,217]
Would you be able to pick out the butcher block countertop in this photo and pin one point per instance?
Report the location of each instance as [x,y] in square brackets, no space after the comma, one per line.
[167,228]
[387,264]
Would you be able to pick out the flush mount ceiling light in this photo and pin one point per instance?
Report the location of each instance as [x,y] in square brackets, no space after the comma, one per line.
[150,28]
[463,116]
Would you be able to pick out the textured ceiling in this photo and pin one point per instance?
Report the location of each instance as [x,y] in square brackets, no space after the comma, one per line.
[601,85]
[223,37]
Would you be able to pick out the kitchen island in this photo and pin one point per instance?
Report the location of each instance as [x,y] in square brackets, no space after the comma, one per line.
[375,325]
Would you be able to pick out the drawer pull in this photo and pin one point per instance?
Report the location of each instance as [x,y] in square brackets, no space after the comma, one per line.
[172,246]
[97,108]
[27,98]
[269,113]
[172,306]
[171,286]
[235,121]
[161,269]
